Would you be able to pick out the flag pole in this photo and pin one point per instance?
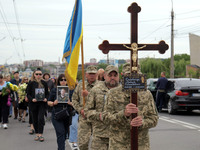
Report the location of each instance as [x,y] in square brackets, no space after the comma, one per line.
[83,77]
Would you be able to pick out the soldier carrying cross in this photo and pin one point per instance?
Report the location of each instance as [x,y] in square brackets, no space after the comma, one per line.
[135,106]
[118,110]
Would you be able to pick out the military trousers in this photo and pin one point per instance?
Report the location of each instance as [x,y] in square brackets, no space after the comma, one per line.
[84,133]
[99,143]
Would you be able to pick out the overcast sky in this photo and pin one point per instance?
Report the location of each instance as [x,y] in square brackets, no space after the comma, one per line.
[42,26]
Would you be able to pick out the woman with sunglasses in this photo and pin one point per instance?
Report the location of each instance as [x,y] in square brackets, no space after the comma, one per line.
[61,126]
[37,93]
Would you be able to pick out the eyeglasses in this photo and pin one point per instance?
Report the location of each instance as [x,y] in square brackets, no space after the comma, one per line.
[62,79]
[38,74]
[25,79]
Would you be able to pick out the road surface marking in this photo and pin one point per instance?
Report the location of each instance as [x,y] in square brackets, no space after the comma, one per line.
[182,123]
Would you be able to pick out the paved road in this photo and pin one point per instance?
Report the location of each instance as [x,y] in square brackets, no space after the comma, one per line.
[173,132]
[16,137]
[176,132]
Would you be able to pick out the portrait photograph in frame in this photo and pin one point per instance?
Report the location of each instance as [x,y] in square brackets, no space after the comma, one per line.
[62,94]
[39,94]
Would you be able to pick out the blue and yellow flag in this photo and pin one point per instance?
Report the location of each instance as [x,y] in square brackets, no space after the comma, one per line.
[72,44]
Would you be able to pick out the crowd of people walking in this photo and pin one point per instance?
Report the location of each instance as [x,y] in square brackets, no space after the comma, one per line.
[25,101]
[100,112]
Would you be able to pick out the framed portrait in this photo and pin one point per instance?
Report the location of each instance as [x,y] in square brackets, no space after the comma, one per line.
[62,94]
[39,94]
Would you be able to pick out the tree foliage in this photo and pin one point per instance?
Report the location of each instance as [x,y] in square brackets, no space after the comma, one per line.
[153,67]
[102,65]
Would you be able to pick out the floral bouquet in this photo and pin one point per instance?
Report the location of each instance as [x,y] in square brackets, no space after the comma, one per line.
[9,87]
[22,92]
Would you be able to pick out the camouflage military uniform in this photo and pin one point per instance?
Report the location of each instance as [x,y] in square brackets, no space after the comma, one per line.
[94,106]
[120,125]
[85,127]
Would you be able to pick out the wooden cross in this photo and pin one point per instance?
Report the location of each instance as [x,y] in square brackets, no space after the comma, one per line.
[133,47]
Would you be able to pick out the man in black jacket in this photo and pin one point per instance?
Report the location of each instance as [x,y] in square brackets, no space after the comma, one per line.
[161,89]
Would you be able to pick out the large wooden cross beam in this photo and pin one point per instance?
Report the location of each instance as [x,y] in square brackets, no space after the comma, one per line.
[134,47]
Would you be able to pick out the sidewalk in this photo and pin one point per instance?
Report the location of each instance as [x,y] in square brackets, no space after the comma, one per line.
[16,137]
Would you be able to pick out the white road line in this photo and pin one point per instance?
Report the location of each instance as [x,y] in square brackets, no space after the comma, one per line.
[187,123]
[164,119]
[182,123]
[189,127]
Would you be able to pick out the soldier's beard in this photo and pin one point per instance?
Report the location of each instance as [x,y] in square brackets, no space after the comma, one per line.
[109,84]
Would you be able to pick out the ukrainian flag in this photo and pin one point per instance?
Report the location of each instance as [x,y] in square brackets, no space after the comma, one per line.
[72,44]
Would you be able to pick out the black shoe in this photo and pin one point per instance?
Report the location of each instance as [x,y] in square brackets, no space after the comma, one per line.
[31,131]
[19,119]
[23,120]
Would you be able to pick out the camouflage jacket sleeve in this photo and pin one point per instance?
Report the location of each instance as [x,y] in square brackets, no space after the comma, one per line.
[114,109]
[76,99]
[90,107]
[148,111]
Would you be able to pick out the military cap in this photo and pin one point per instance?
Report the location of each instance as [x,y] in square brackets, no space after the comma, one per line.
[126,68]
[91,69]
[111,68]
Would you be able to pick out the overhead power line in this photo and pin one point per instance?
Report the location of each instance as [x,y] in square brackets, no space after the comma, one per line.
[105,24]
[8,29]
[188,12]
[164,24]
[18,26]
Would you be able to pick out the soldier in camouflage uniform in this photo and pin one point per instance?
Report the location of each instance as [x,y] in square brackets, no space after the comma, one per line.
[85,127]
[118,110]
[95,106]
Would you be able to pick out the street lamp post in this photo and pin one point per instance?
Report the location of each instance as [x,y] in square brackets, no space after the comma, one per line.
[172,43]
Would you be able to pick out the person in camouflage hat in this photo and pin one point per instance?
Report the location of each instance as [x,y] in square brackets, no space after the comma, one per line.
[95,106]
[118,110]
[127,70]
[85,127]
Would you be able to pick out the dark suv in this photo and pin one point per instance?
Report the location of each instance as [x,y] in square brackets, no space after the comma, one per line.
[181,94]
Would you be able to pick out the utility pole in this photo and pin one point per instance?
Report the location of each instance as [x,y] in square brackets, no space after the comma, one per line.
[172,43]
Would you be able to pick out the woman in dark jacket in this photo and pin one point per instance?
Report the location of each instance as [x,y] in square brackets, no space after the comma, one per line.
[62,125]
[37,93]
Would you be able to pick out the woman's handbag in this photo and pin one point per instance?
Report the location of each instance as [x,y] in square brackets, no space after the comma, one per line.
[63,114]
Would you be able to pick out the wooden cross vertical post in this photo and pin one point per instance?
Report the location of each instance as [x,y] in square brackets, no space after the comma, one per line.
[133,47]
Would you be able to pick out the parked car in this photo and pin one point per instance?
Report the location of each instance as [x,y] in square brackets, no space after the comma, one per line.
[181,94]
[151,86]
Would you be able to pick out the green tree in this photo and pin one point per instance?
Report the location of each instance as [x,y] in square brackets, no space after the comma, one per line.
[102,65]
[180,68]
[79,75]
[192,73]
[178,57]
[120,70]
[152,67]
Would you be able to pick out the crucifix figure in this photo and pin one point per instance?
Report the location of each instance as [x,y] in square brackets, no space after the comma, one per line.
[134,47]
